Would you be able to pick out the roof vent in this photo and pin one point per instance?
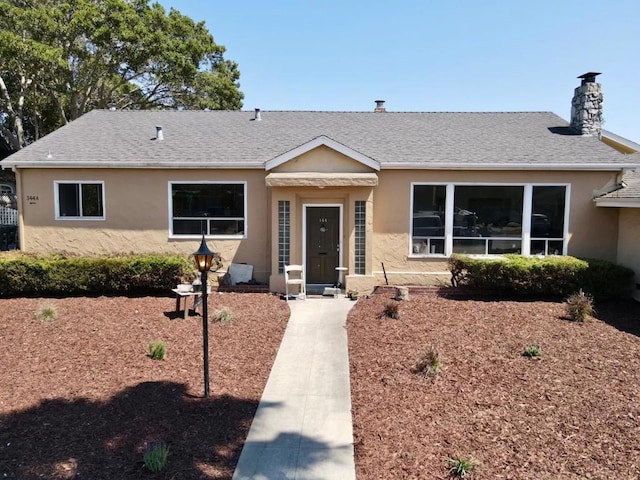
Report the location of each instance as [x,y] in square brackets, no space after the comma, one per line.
[380,106]
[159,135]
[257,117]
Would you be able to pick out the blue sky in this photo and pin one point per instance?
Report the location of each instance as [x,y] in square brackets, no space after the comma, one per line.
[428,55]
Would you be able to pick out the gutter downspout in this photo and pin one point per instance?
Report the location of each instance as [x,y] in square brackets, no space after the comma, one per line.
[19,198]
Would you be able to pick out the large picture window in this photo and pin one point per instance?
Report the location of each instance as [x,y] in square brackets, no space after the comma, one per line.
[488,219]
[213,209]
[79,200]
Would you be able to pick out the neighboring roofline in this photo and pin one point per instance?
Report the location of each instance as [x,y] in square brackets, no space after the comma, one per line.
[621,140]
[322,140]
[389,166]
[618,202]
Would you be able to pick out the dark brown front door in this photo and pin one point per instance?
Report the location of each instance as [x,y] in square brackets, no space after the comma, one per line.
[323,244]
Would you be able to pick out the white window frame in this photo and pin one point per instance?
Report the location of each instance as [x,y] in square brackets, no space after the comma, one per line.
[527,201]
[56,195]
[207,182]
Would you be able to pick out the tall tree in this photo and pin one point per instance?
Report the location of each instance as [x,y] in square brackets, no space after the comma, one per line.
[61,58]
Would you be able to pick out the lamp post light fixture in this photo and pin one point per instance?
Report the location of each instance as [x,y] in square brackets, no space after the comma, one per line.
[204,258]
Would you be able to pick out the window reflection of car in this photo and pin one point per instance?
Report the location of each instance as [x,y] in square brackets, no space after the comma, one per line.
[465,223]
[427,225]
[540,225]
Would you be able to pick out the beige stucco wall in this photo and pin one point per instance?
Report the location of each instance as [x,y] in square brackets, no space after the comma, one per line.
[137,215]
[322,159]
[592,230]
[628,245]
[299,197]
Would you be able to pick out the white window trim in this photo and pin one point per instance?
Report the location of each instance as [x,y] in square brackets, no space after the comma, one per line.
[206,182]
[527,199]
[56,197]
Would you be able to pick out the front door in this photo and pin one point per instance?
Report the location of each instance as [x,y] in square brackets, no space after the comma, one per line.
[323,244]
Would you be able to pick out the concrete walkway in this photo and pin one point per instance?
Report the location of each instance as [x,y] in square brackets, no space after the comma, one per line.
[302,429]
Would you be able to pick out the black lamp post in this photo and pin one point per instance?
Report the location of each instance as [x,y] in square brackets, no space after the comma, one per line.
[204,258]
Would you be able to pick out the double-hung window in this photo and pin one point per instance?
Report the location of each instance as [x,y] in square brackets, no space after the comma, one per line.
[209,208]
[489,219]
[79,200]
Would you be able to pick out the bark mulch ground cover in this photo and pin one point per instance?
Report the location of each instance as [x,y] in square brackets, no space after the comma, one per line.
[80,396]
[572,413]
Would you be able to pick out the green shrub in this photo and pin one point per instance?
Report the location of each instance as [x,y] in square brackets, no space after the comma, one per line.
[223,314]
[460,466]
[428,363]
[32,275]
[579,306]
[391,310]
[554,276]
[155,456]
[47,312]
[157,350]
[532,351]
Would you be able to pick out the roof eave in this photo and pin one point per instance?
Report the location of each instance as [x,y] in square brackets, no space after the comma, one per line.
[322,140]
[385,166]
[48,164]
[617,202]
[510,166]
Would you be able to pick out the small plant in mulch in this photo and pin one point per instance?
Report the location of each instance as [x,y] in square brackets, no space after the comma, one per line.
[157,350]
[391,310]
[352,294]
[155,456]
[460,467]
[223,314]
[532,351]
[428,363]
[579,306]
[47,312]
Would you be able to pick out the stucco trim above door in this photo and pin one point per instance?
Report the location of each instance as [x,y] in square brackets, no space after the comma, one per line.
[317,179]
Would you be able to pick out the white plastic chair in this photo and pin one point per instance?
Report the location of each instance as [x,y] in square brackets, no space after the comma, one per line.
[294,275]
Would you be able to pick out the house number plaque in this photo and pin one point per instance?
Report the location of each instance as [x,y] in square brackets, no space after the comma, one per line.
[32,199]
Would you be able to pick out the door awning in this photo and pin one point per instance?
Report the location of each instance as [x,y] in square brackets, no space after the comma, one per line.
[315,179]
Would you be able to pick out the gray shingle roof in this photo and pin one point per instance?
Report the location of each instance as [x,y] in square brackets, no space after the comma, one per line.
[233,138]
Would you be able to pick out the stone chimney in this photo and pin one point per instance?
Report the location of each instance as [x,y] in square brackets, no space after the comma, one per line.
[379,106]
[586,106]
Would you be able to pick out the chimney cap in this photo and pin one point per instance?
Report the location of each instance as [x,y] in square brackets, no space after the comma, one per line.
[589,77]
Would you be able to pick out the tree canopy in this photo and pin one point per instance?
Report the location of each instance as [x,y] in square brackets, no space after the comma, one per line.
[62,58]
